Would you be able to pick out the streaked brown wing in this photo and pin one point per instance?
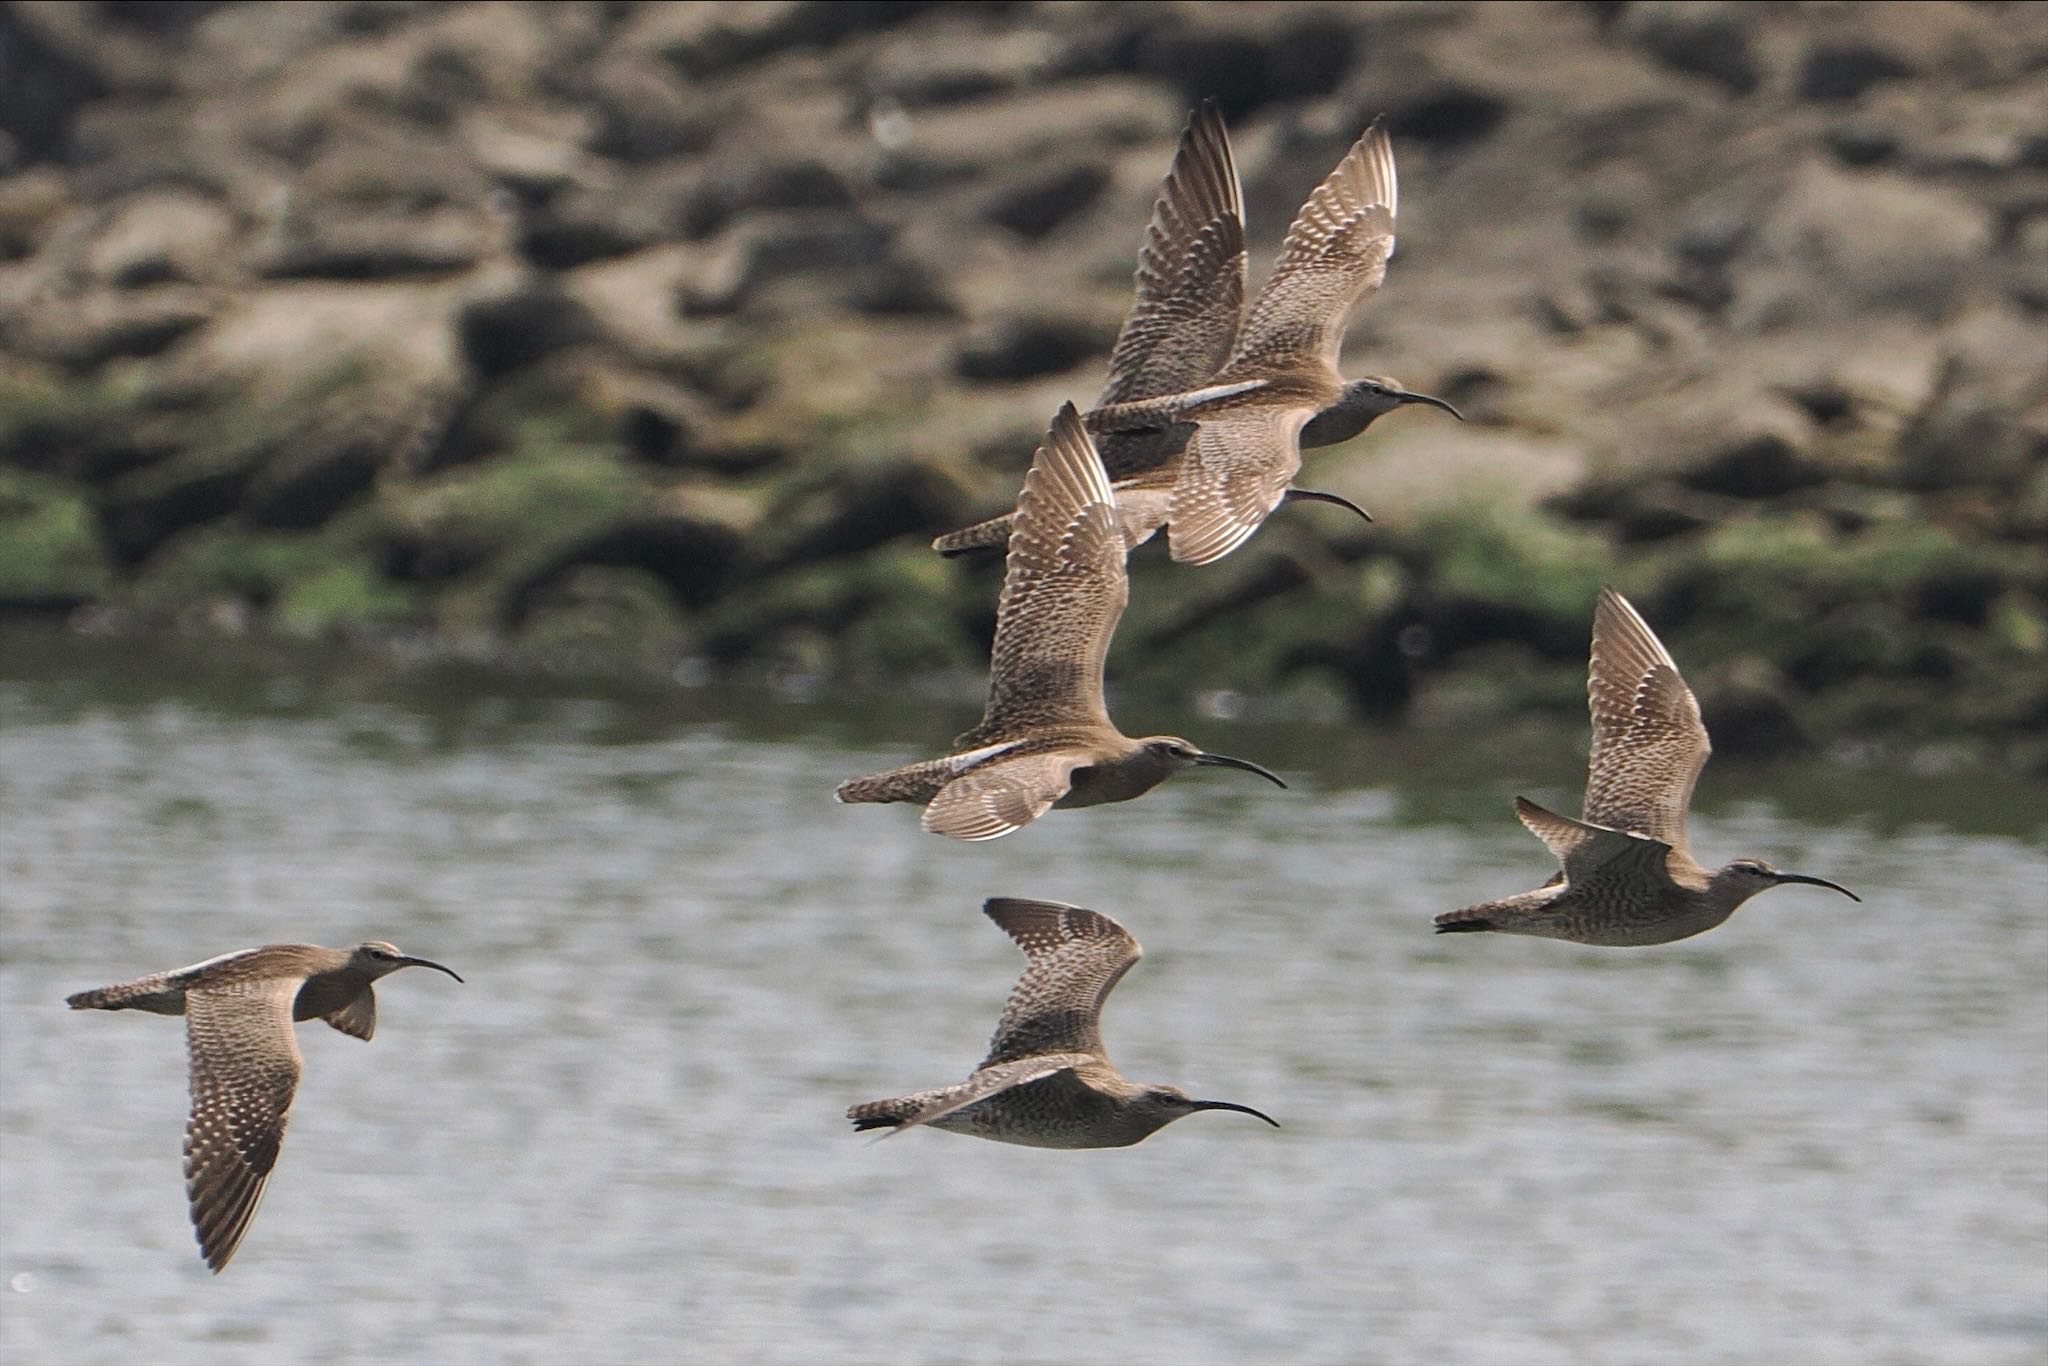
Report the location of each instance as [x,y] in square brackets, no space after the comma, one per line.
[991,1081]
[357,1019]
[1591,855]
[1563,835]
[1234,474]
[1335,254]
[1076,959]
[245,1070]
[1063,591]
[1002,795]
[1190,276]
[1648,743]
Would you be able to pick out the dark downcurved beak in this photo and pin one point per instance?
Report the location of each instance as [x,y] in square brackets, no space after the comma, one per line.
[1333,499]
[1241,1109]
[1225,761]
[1818,882]
[428,963]
[1404,397]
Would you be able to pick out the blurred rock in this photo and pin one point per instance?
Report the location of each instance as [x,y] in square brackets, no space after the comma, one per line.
[643,323]
[1707,40]
[88,331]
[332,247]
[1021,348]
[1966,435]
[1033,205]
[160,236]
[507,330]
[799,183]
[1843,70]
[1752,711]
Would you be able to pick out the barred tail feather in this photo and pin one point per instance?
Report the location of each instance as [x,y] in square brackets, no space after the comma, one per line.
[993,534]
[884,1114]
[145,993]
[911,783]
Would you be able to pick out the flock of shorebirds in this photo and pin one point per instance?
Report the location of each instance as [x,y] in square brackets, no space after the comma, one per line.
[1200,431]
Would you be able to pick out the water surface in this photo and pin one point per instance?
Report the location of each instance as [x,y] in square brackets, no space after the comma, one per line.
[1817,1134]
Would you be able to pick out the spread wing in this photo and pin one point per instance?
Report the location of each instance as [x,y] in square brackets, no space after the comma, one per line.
[1648,743]
[1592,854]
[1063,591]
[1335,254]
[990,1081]
[1190,277]
[1076,959]
[245,1070]
[1001,795]
[357,1019]
[1236,471]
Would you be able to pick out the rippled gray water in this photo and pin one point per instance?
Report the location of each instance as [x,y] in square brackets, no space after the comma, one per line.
[1818,1134]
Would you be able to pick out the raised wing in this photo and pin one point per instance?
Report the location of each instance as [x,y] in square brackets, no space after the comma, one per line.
[1076,959]
[1648,743]
[1190,277]
[991,1081]
[1063,591]
[1590,854]
[1336,253]
[245,1070]
[1236,471]
[1002,795]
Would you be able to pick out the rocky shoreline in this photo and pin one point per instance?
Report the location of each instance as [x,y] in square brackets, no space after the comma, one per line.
[675,332]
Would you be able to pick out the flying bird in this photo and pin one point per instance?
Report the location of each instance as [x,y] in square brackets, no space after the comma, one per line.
[1047,1081]
[1629,875]
[244,1056]
[1045,737]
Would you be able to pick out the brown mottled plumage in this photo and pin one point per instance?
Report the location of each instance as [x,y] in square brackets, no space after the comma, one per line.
[1282,371]
[1629,874]
[1190,287]
[1047,1081]
[244,1057]
[1045,737]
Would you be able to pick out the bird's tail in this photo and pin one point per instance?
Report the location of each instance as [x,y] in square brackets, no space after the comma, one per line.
[144,993]
[911,783]
[1468,921]
[992,534]
[884,1114]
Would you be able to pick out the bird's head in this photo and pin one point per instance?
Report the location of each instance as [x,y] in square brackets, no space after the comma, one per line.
[1174,754]
[377,959]
[1745,877]
[1378,394]
[1159,1106]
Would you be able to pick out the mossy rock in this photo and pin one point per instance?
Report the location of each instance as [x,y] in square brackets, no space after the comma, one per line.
[895,610]
[503,520]
[308,583]
[50,549]
[604,610]
[1483,553]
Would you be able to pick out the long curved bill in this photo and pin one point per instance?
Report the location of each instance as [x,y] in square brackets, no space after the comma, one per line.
[1818,882]
[1404,396]
[1241,1109]
[429,963]
[1225,761]
[1333,499]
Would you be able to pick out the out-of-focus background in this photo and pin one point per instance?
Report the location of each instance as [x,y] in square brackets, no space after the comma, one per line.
[675,331]
[466,473]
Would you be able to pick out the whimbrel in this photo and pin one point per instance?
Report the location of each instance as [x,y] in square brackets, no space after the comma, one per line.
[1190,296]
[238,1011]
[1045,737]
[1047,1081]
[1281,374]
[1629,876]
